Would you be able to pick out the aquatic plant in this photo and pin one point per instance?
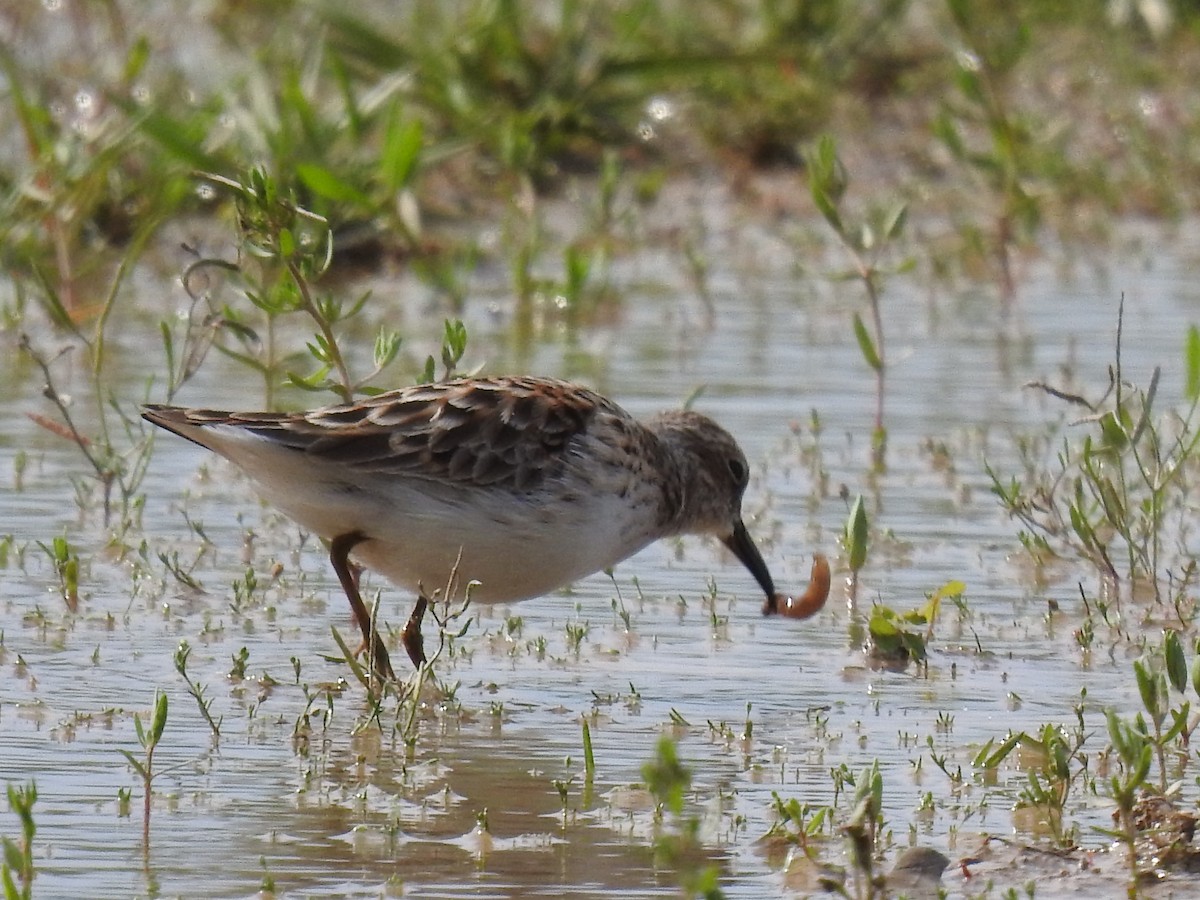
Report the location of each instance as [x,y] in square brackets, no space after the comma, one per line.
[668,779]
[283,249]
[799,823]
[1152,742]
[994,45]
[117,459]
[868,243]
[1057,768]
[897,638]
[856,540]
[66,567]
[864,828]
[1157,673]
[196,690]
[149,738]
[1134,755]
[1119,497]
[17,869]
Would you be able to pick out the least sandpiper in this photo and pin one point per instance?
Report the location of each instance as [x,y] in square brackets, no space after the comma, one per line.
[520,484]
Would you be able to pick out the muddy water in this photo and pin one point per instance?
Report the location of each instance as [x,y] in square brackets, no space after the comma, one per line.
[357,815]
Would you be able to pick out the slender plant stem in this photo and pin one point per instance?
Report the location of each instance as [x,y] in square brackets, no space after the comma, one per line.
[346,389]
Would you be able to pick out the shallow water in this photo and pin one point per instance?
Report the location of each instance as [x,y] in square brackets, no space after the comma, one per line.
[352,812]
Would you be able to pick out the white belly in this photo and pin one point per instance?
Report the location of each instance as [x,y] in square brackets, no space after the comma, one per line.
[515,545]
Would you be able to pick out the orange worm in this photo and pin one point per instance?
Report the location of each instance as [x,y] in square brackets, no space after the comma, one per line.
[811,601]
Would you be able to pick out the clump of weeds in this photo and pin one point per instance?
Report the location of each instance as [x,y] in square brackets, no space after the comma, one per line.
[1151,818]
[890,638]
[861,824]
[1143,769]
[536,94]
[1057,772]
[83,191]
[284,249]
[894,639]
[115,448]
[1118,497]
[770,82]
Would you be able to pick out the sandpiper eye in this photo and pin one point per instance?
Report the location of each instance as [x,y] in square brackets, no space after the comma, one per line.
[737,469]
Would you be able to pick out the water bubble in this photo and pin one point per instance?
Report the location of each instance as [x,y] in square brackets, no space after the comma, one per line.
[660,109]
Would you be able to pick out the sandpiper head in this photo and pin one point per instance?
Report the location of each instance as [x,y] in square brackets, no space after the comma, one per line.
[714,474]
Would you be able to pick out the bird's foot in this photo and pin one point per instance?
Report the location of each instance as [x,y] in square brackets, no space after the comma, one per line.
[413,640]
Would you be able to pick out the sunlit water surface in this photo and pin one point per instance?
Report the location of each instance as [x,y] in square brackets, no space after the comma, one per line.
[346,814]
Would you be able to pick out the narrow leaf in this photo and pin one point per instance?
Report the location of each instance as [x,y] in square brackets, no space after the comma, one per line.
[866,344]
[988,759]
[324,183]
[160,718]
[1176,661]
[953,588]
[827,208]
[401,152]
[893,225]
[1147,404]
[589,759]
[137,766]
[1196,671]
[12,859]
[1147,684]
[1139,774]
[351,659]
[856,534]
[387,345]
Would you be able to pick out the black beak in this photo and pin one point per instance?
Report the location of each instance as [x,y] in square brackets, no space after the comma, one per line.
[743,547]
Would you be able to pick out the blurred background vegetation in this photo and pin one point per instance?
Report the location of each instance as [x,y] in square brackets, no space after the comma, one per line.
[1003,124]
